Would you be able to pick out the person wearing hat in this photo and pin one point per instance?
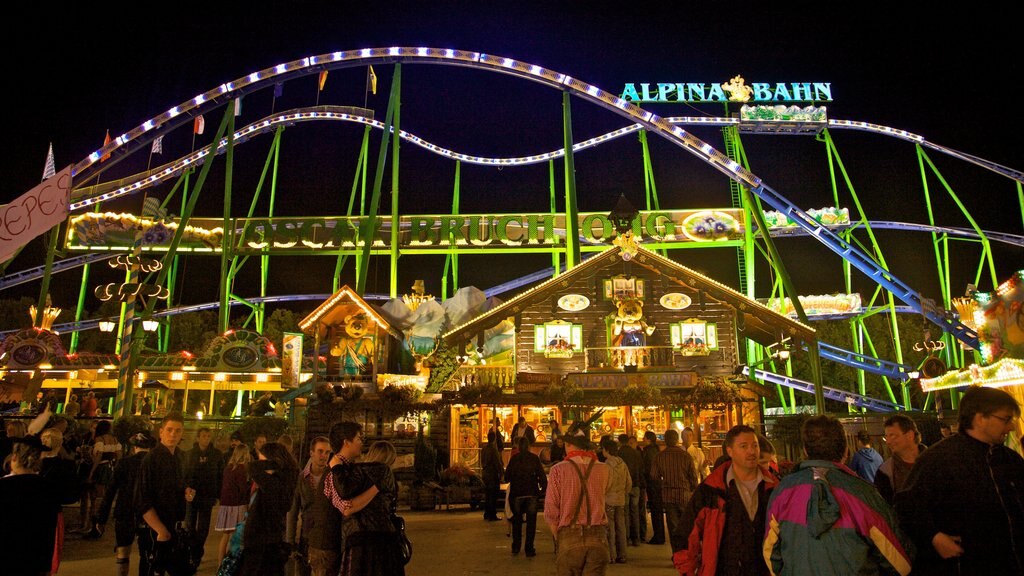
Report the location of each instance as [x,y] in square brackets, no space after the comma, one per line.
[574,507]
[30,505]
[122,488]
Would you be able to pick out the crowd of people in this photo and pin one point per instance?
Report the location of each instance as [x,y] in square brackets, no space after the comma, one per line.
[956,507]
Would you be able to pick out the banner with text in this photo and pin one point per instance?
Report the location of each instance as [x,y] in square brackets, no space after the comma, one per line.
[34,212]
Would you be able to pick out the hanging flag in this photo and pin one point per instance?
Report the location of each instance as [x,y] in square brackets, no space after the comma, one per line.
[106,140]
[278,90]
[158,146]
[323,79]
[49,169]
[199,125]
[238,106]
[371,81]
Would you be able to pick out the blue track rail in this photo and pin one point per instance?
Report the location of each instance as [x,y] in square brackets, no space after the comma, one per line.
[830,393]
[30,274]
[864,362]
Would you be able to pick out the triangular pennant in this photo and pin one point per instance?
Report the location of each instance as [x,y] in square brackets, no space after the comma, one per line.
[106,140]
[199,125]
[49,170]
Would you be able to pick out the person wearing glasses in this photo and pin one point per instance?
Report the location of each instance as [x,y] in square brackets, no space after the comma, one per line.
[904,441]
[964,501]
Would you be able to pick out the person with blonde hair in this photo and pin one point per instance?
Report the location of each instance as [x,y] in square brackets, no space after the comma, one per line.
[381,451]
[234,497]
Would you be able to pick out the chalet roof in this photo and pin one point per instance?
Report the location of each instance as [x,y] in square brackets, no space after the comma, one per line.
[330,311]
[759,323]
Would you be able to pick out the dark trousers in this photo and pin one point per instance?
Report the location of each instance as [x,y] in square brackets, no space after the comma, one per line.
[491,495]
[657,515]
[633,515]
[154,557]
[674,517]
[201,512]
[524,506]
[642,513]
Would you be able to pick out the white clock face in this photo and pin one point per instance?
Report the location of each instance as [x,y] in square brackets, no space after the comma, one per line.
[573,302]
[675,301]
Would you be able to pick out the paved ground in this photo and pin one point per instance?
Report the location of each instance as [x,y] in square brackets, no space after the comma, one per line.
[453,543]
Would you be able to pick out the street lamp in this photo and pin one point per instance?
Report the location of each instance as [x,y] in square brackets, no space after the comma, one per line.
[106,326]
[150,325]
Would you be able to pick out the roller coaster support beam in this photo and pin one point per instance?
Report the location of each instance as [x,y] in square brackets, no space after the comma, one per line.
[650,186]
[452,260]
[360,176]
[835,160]
[554,207]
[44,290]
[265,258]
[172,276]
[987,251]
[228,238]
[780,268]
[395,218]
[186,214]
[572,231]
[367,235]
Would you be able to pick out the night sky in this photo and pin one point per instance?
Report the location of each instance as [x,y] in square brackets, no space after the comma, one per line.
[945,76]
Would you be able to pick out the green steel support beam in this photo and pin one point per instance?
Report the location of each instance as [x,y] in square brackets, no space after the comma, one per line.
[780,268]
[360,169]
[367,235]
[833,157]
[44,290]
[452,259]
[265,258]
[395,218]
[554,207]
[572,232]
[186,214]
[987,250]
[225,245]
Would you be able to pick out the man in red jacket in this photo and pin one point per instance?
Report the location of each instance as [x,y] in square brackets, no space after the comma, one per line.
[723,524]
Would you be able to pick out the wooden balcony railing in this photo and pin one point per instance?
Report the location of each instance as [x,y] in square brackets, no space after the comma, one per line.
[616,357]
[503,376]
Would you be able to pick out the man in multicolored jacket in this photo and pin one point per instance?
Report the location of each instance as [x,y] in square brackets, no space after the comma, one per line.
[723,524]
[824,519]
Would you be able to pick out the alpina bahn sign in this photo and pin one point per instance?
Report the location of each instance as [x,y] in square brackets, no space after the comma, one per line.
[480,233]
[735,90]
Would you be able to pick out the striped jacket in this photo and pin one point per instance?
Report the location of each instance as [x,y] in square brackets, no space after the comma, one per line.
[824,520]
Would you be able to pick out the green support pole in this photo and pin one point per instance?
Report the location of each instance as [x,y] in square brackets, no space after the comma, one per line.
[554,208]
[812,347]
[265,258]
[44,290]
[172,249]
[227,238]
[396,91]
[876,251]
[572,233]
[987,250]
[172,276]
[360,169]
[367,235]
[452,259]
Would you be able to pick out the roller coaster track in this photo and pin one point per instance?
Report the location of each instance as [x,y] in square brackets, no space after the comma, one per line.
[831,393]
[140,136]
[113,189]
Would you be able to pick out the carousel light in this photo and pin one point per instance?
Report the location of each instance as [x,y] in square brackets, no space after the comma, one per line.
[150,325]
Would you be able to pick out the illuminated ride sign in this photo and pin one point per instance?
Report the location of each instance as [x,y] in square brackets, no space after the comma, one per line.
[423,234]
[735,90]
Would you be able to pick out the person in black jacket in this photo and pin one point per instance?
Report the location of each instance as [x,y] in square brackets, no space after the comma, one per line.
[122,488]
[526,478]
[160,496]
[635,463]
[204,471]
[963,505]
[653,492]
[492,468]
[30,505]
[276,473]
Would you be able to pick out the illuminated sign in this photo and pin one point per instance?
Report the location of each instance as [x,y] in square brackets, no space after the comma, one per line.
[735,90]
[418,233]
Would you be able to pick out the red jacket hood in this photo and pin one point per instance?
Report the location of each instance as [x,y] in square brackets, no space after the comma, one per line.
[716,479]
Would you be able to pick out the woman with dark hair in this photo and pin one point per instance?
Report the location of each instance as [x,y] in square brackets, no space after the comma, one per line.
[275,474]
[369,497]
[30,504]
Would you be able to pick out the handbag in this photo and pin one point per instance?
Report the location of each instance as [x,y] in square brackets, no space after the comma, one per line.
[404,544]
